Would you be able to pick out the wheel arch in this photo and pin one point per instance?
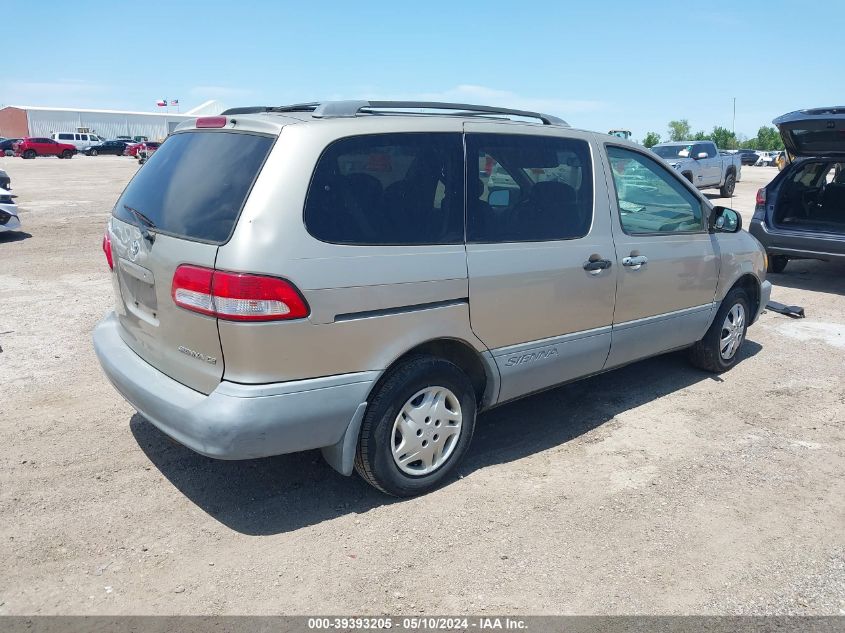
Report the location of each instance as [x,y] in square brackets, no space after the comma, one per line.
[481,371]
[751,285]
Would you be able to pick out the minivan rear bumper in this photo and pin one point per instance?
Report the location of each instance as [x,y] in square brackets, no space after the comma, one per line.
[234,421]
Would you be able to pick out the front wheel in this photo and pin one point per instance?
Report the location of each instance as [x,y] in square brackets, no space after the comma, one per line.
[727,189]
[418,425]
[30,153]
[92,152]
[718,350]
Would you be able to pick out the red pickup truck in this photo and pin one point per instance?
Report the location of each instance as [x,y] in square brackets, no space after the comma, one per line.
[30,147]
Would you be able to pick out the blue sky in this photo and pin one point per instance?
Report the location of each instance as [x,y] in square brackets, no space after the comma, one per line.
[601,64]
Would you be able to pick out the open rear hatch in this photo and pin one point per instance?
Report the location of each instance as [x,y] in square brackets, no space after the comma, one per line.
[816,132]
[180,207]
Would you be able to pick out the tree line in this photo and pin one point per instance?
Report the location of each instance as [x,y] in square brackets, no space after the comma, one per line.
[767,140]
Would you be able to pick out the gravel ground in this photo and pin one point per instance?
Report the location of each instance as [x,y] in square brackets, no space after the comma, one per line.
[652,489]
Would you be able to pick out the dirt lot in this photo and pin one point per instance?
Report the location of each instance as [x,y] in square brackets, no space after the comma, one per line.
[652,489]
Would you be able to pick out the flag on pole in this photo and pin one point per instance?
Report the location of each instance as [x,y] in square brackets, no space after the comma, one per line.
[174,102]
[162,103]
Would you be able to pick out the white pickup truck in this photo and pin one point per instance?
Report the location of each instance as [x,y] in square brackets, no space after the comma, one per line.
[702,164]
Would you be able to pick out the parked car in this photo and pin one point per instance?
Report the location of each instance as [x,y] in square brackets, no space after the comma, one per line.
[748,156]
[801,213]
[146,150]
[132,150]
[7,146]
[338,290]
[5,181]
[9,220]
[701,164]
[107,147]
[81,141]
[31,147]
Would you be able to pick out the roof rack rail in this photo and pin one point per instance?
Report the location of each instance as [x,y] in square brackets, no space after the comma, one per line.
[333,109]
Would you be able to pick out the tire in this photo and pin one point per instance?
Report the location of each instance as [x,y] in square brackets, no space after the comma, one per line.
[92,152]
[707,353]
[30,153]
[67,154]
[415,385]
[777,263]
[727,189]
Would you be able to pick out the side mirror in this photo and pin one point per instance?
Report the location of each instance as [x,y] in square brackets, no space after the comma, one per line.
[499,198]
[701,155]
[725,220]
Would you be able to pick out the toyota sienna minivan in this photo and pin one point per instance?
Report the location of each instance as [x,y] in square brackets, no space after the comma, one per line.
[350,276]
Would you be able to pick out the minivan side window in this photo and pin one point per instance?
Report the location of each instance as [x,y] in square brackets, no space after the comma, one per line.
[525,188]
[650,198]
[388,189]
[65,137]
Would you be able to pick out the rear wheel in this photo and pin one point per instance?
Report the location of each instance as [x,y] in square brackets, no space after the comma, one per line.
[777,263]
[727,189]
[67,154]
[30,153]
[718,350]
[417,428]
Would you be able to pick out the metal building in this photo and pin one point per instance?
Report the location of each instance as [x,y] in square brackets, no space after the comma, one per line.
[19,121]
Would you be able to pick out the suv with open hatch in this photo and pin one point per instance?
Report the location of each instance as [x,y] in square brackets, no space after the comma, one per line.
[345,276]
[801,213]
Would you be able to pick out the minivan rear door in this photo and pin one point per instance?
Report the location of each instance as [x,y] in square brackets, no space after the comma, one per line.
[178,209]
[817,132]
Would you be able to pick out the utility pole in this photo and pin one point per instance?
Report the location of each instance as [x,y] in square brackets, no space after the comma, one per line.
[733,124]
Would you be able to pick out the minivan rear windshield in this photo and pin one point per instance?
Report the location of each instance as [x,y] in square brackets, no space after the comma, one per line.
[195,184]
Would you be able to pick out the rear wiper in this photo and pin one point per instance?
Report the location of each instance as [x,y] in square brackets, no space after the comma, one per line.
[144,224]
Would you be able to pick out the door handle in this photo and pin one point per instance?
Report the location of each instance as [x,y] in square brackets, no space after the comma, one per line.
[635,261]
[596,264]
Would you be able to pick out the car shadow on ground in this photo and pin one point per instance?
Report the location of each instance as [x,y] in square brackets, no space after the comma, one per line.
[14,236]
[812,275]
[288,492]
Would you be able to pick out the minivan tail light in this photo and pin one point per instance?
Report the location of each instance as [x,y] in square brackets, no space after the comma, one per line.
[761,197]
[211,121]
[236,296]
[107,249]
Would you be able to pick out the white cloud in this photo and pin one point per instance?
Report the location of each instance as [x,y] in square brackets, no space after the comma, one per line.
[219,92]
[61,93]
[468,93]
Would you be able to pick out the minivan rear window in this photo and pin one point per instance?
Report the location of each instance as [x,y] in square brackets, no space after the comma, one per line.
[195,185]
[389,189]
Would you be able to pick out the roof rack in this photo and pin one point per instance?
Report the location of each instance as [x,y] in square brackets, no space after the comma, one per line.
[339,109]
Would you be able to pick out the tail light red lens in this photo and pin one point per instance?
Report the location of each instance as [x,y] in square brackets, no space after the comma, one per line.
[761,197]
[107,249]
[236,296]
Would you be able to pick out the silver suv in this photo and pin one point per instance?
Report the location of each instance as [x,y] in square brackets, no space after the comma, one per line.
[350,276]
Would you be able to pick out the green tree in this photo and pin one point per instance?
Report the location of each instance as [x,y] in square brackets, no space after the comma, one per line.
[701,135]
[768,139]
[651,139]
[724,138]
[679,130]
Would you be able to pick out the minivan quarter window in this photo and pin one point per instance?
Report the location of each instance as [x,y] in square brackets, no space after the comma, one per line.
[651,199]
[388,189]
[526,188]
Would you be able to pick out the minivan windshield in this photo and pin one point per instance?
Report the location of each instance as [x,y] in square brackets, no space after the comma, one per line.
[195,184]
[671,151]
